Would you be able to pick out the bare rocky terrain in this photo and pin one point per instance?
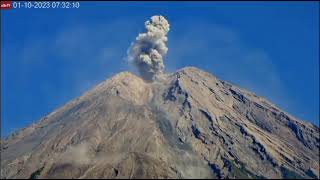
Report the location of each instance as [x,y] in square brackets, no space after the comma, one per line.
[187,125]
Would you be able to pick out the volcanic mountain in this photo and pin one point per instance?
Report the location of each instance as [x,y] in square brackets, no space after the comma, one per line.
[187,125]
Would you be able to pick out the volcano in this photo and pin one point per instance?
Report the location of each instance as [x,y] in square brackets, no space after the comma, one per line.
[190,124]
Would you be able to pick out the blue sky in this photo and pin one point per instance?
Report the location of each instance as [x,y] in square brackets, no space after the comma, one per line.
[50,56]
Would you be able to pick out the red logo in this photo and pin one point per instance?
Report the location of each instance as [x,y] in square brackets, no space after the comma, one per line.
[6,4]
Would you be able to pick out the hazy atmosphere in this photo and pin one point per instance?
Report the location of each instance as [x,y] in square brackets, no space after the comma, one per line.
[51,56]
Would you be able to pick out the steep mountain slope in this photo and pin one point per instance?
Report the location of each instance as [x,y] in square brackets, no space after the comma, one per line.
[188,125]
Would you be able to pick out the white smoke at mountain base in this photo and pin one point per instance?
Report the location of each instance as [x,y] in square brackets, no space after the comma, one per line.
[78,154]
[149,48]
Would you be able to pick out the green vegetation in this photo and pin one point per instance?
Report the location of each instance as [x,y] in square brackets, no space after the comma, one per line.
[311,174]
[36,174]
[288,174]
[242,172]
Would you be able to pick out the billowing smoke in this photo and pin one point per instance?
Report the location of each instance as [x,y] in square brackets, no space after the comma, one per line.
[149,48]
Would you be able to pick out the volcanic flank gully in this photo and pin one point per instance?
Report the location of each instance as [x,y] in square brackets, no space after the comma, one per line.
[187,125]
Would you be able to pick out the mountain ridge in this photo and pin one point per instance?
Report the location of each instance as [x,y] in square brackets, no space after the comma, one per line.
[186,124]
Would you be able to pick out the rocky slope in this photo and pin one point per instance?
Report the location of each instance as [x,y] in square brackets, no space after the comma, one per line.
[188,125]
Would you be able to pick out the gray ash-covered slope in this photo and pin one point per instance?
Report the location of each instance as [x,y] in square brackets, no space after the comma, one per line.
[189,125]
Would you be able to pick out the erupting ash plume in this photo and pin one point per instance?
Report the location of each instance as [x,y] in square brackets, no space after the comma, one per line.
[147,52]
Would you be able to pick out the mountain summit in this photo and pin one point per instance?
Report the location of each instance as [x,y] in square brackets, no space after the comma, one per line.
[189,124]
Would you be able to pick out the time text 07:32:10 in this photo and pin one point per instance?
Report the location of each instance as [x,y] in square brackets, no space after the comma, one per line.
[46,4]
